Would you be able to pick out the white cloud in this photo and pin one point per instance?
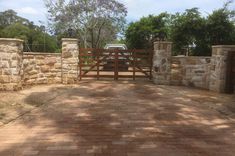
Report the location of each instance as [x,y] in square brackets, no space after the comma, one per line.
[27,10]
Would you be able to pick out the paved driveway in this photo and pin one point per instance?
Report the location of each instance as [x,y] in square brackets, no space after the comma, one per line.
[121,119]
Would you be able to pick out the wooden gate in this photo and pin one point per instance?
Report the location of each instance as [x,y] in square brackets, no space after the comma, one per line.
[230,75]
[105,63]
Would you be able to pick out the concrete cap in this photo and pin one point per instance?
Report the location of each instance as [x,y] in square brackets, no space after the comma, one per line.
[157,42]
[69,39]
[223,46]
[11,40]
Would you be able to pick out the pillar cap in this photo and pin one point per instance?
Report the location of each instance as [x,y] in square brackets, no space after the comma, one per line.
[168,42]
[223,46]
[11,40]
[69,39]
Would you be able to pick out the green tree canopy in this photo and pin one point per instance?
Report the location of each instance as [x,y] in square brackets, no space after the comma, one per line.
[13,26]
[143,33]
[189,31]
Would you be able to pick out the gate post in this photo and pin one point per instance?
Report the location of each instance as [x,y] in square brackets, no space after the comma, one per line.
[11,52]
[70,52]
[219,67]
[162,62]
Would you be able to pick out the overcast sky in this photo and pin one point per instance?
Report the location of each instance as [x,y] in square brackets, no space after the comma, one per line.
[34,10]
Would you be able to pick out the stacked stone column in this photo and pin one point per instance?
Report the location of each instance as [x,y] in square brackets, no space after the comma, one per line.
[70,52]
[10,64]
[162,63]
[219,67]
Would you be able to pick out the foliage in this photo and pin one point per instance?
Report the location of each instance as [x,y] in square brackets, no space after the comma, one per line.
[13,26]
[143,33]
[220,26]
[94,21]
[189,31]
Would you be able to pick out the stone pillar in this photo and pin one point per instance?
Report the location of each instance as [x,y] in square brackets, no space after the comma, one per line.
[70,52]
[219,67]
[162,63]
[11,51]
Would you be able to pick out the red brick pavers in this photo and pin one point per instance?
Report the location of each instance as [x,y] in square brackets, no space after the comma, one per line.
[121,119]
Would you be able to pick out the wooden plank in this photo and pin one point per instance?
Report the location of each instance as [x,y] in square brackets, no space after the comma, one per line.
[116,67]
[128,71]
[134,64]
[98,65]
[119,76]
[151,63]
[80,68]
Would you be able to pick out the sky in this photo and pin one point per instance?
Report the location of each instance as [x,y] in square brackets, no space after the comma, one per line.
[35,11]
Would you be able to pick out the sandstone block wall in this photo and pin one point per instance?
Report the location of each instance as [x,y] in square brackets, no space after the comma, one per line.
[18,68]
[10,64]
[202,72]
[41,68]
[191,71]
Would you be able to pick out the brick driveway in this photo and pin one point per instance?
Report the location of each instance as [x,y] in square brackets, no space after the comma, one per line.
[121,119]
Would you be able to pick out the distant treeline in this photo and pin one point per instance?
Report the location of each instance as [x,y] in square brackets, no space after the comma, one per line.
[35,37]
[189,31]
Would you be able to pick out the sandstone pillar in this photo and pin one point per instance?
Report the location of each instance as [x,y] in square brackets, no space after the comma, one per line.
[70,52]
[162,63]
[219,67]
[11,51]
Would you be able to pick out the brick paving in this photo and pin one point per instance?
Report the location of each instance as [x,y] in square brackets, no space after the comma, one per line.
[121,119]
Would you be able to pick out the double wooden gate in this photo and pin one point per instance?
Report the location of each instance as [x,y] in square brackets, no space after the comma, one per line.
[116,64]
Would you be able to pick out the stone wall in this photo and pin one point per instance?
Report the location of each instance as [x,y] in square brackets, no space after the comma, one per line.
[10,64]
[202,72]
[190,71]
[18,68]
[41,68]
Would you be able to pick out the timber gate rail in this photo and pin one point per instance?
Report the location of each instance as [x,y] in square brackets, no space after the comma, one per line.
[105,63]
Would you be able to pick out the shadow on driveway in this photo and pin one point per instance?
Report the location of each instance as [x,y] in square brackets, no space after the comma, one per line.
[120,119]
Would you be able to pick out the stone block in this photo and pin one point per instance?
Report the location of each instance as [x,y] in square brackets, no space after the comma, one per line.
[6,71]
[33,72]
[41,80]
[45,68]
[28,68]
[40,62]
[4,64]
[58,80]
[15,79]
[50,61]
[31,81]
[67,54]
[5,78]
[33,76]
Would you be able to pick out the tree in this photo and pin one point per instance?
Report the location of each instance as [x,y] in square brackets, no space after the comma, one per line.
[89,18]
[143,33]
[35,37]
[188,30]
[220,26]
